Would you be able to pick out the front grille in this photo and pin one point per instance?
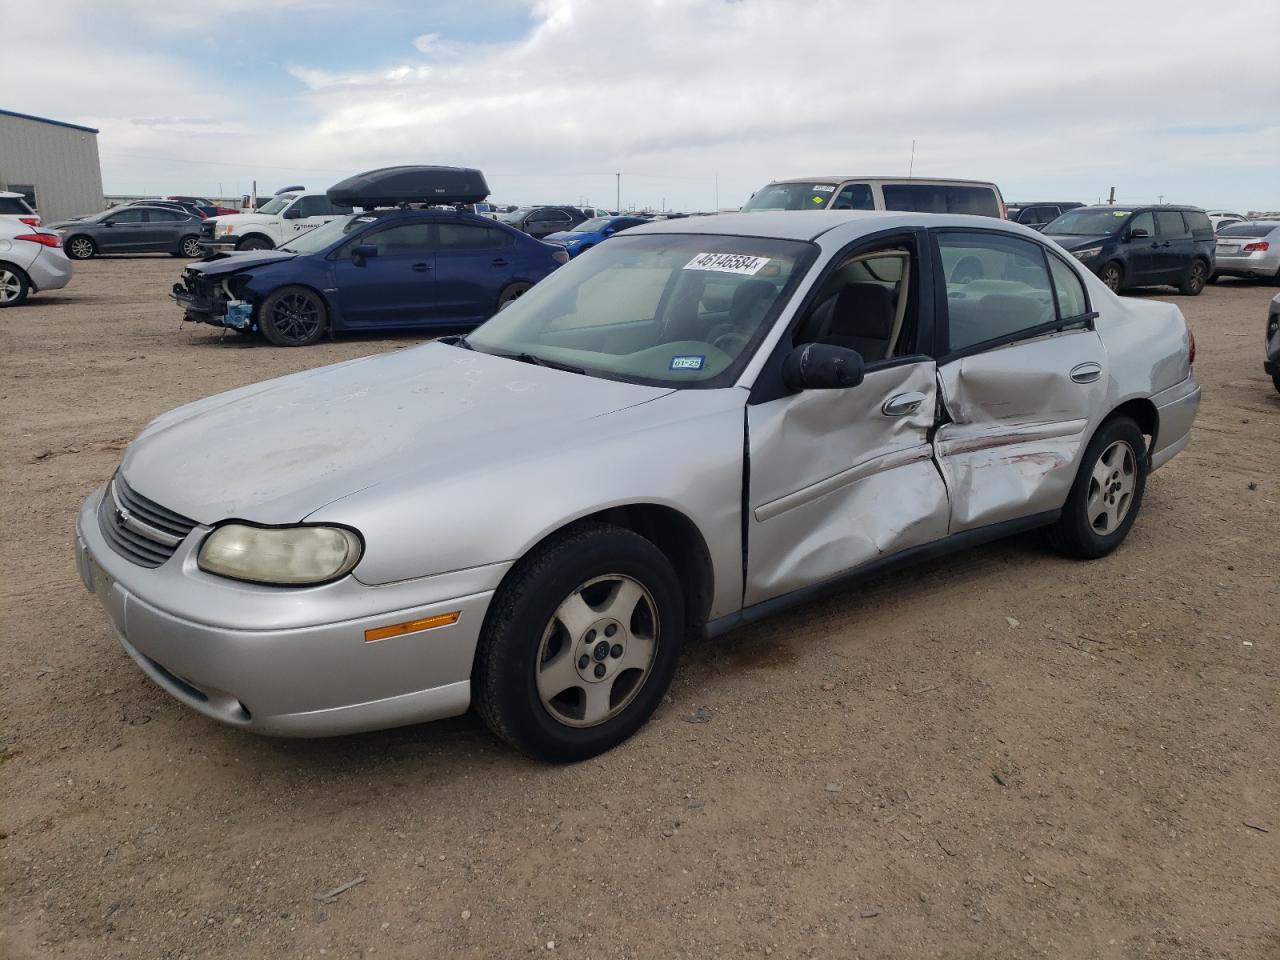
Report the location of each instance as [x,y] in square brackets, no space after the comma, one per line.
[138,529]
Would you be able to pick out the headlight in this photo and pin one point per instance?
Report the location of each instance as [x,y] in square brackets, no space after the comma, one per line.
[1088,253]
[225,229]
[280,555]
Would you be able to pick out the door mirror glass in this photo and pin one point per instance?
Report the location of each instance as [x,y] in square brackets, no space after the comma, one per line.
[822,366]
[364,251]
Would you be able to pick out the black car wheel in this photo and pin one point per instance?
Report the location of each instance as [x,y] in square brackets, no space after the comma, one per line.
[1193,282]
[14,285]
[293,317]
[190,247]
[80,248]
[512,291]
[1107,493]
[255,243]
[1112,275]
[580,643]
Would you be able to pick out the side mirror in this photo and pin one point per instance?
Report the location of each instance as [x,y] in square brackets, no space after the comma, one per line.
[364,251]
[108,223]
[822,366]
[293,213]
[1138,234]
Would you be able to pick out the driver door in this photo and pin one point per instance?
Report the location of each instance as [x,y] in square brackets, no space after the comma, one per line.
[841,478]
[397,286]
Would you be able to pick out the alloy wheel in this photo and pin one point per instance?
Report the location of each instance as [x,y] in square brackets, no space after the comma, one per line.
[297,316]
[81,249]
[1111,277]
[191,247]
[597,650]
[1111,487]
[10,286]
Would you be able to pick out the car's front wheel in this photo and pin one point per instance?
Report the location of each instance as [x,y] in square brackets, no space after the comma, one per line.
[293,317]
[512,291]
[1112,275]
[14,285]
[254,242]
[580,643]
[1107,493]
[80,248]
[1194,280]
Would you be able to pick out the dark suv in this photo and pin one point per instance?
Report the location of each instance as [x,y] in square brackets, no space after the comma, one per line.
[1037,215]
[541,221]
[1142,246]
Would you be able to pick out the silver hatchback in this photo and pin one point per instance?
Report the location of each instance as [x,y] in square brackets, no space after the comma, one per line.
[699,424]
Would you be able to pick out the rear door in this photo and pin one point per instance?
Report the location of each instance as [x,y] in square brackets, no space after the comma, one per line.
[1022,375]
[1174,253]
[395,288]
[166,227]
[841,478]
[473,263]
[1142,254]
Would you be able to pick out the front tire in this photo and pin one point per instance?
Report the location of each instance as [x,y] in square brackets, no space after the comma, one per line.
[80,248]
[255,243]
[1107,493]
[293,317]
[1193,282]
[512,291]
[1113,276]
[580,644]
[14,285]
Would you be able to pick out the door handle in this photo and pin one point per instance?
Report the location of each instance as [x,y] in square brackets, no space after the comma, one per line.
[902,404]
[498,262]
[1086,372]
[420,267]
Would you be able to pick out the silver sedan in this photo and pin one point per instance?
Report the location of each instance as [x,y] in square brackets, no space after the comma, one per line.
[1249,250]
[699,424]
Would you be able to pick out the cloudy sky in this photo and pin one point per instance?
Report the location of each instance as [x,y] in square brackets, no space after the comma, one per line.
[694,102]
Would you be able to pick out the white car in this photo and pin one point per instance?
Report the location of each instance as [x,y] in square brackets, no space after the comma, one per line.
[277,222]
[1225,218]
[31,260]
[14,206]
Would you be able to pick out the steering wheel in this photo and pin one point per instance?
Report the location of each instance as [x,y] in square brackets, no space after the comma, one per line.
[730,343]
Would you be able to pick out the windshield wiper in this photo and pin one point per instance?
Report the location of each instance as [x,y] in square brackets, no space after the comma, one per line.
[544,362]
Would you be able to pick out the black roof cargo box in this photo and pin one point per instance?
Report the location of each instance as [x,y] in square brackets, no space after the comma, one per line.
[389,186]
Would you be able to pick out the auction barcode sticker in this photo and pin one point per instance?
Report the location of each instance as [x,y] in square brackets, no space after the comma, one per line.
[727,263]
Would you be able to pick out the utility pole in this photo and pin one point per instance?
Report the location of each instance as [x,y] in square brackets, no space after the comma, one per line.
[716,208]
[618,199]
[1112,197]
[912,165]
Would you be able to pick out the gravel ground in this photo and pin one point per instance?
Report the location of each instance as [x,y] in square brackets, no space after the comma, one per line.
[1003,753]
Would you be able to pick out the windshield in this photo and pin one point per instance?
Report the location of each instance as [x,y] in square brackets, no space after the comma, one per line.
[1089,223]
[669,310]
[276,204]
[515,215]
[321,237]
[791,196]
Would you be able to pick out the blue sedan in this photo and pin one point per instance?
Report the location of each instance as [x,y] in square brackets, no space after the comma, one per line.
[381,270]
[586,235]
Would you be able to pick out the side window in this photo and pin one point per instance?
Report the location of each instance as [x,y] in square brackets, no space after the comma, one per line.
[463,237]
[164,216]
[405,240]
[313,207]
[1143,221]
[128,216]
[996,286]
[1169,223]
[1198,223]
[854,196]
[1072,301]
[866,304]
[940,198]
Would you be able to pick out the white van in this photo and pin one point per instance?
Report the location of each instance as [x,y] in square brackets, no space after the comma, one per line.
[880,193]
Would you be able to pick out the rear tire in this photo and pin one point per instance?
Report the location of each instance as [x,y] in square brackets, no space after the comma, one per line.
[1275,378]
[80,248]
[1112,275]
[255,243]
[14,285]
[580,643]
[512,291]
[293,317]
[1107,493]
[1194,280]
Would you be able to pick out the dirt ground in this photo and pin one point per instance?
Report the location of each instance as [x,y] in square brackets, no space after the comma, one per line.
[999,754]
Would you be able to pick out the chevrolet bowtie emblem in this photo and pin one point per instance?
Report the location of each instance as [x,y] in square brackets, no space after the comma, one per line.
[122,516]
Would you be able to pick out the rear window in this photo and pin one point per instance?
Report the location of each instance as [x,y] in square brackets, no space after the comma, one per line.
[15,205]
[809,195]
[1249,230]
[940,198]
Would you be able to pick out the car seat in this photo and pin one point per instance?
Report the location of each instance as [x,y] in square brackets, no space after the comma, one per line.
[862,320]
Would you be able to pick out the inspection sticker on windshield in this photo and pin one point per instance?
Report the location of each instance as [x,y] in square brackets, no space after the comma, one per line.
[727,263]
[687,363]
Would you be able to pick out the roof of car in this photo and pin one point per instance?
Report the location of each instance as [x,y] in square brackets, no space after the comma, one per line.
[811,224]
[1140,206]
[863,176]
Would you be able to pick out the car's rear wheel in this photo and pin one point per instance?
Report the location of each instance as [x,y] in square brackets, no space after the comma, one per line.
[512,291]
[255,243]
[14,285]
[293,317]
[80,248]
[1107,493]
[190,247]
[580,643]
[1112,275]
[1194,280]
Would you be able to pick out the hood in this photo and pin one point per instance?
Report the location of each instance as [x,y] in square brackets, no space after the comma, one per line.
[239,218]
[1077,241]
[221,263]
[277,451]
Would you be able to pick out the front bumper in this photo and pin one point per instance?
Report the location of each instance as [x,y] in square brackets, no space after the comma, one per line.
[289,662]
[218,246]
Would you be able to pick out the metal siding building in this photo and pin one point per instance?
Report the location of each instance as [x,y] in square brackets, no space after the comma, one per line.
[59,160]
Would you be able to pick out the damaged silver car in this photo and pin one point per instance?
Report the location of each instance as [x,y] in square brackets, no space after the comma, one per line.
[701,423]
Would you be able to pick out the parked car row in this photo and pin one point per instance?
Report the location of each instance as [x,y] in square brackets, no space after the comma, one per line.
[132,228]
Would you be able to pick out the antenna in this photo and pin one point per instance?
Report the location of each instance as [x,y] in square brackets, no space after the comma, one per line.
[912,165]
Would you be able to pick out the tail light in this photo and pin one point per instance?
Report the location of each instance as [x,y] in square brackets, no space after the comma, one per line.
[1262,246]
[30,221]
[560,256]
[44,239]
[1191,351]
